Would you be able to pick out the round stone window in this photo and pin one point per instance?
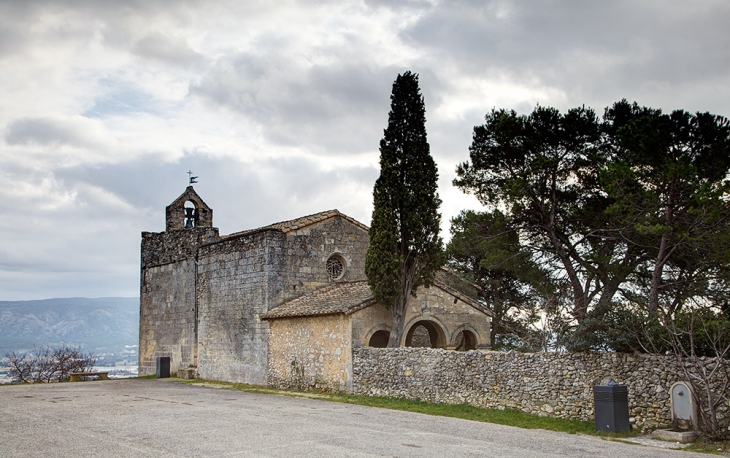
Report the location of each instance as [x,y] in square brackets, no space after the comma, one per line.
[335,267]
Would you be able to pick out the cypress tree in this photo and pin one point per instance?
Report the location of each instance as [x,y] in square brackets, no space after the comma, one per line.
[405,248]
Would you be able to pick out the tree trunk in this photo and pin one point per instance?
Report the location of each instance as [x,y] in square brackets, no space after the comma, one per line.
[664,250]
[656,276]
[398,313]
[580,304]
[406,274]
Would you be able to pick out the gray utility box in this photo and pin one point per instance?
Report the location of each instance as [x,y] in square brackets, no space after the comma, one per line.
[163,366]
[611,408]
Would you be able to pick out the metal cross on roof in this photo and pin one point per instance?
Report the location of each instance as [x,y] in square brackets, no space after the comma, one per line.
[192,178]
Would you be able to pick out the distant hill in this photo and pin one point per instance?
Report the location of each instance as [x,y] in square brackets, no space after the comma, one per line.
[101,324]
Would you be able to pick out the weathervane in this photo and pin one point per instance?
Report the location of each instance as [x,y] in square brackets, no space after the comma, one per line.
[192,178]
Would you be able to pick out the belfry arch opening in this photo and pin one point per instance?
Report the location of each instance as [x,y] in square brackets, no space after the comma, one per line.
[190,215]
[425,333]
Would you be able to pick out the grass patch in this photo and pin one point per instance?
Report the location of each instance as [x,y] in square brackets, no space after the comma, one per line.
[712,447]
[507,417]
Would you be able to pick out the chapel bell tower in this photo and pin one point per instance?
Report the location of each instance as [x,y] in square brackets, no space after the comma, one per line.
[188,211]
[168,297]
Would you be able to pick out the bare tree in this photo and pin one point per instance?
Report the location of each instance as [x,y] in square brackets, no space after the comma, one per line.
[49,364]
[699,341]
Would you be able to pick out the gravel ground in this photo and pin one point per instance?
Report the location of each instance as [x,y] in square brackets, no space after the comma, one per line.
[155,418]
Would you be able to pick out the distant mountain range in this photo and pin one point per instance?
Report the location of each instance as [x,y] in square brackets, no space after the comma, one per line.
[101,324]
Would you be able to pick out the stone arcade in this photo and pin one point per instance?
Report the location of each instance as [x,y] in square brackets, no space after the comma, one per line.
[283,304]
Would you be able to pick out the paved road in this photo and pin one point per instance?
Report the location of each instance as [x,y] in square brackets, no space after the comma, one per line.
[154,418]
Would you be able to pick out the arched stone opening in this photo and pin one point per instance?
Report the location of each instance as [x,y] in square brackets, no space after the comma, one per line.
[379,339]
[465,340]
[188,211]
[425,333]
[190,215]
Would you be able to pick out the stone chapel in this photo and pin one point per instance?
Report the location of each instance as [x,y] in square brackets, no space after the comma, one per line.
[282,304]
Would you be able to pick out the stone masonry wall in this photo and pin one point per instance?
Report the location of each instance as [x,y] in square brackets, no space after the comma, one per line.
[311,352]
[554,384]
[167,316]
[367,322]
[160,248]
[430,304]
[451,317]
[233,283]
[305,254]
[242,276]
[167,296]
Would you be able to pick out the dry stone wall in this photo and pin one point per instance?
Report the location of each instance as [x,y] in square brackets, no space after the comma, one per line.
[547,384]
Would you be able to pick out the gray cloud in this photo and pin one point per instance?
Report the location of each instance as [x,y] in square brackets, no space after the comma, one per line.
[88,234]
[77,131]
[399,5]
[108,104]
[243,195]
[592,51]
[167,48]
[331,109]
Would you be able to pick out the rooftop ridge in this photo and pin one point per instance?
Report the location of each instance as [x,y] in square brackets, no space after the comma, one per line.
[298,223]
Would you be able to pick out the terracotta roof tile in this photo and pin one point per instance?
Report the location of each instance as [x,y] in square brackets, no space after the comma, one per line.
[295,224]
[344,297]
[347,298]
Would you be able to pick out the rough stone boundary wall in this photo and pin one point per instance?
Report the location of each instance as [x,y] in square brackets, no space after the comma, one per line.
[554,384]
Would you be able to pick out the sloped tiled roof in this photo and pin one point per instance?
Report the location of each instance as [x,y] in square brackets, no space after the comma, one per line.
[347,298]
[457,282]
[344,297]
[462,297]
[299,223]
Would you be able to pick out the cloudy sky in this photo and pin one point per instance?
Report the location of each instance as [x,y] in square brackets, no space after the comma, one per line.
[278,107]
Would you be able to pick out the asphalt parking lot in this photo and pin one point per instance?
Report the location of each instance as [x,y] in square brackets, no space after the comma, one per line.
[155,418]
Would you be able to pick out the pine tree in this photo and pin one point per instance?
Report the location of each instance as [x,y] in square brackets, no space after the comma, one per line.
[405,248]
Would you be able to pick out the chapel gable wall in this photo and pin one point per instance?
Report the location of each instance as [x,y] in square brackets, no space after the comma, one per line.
[303,268]
[451,314]
[311,353]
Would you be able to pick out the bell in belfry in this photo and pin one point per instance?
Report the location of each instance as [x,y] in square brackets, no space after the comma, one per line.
[189,218]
